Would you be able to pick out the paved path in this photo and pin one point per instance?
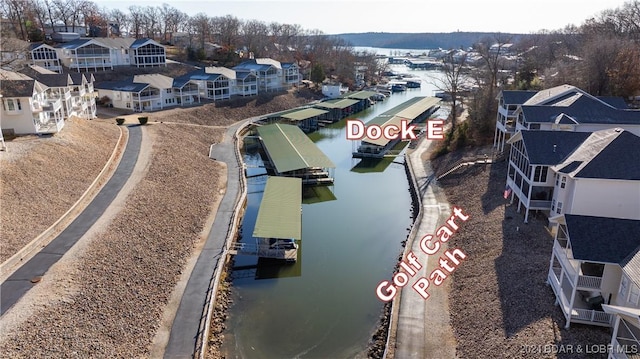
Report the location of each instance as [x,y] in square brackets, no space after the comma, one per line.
[190,316]
[19,283]
[423,325]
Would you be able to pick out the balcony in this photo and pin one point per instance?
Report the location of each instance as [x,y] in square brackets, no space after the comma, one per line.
[48,126]
[539,205]
[583,282]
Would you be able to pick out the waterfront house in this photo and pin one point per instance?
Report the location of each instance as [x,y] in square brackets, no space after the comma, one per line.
[150,92]
[104,53]
[586,267]
[27,106]
[561,108]
[271,74]
[625,339]
[575,172]
[601,177]
[130,95]
[45,56]
[508,102]
[531,155]
[246,84]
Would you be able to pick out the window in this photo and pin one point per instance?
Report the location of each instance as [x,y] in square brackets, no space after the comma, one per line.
[634,295]
[12,105]
[168,90]
[624,287]
[559,208]
[128,105]
[564,181]
[553,205]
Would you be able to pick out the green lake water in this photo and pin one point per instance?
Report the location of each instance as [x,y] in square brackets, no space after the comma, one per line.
[324,305]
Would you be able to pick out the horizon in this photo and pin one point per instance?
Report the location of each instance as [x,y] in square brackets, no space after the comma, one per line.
[471,16]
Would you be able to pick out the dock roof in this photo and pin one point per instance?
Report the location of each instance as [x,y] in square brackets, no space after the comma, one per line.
[360,95]
[338,103]
[290,149]
[303,114]
[406,111]
[280,215]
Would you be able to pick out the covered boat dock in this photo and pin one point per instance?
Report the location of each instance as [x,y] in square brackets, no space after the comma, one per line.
[292,154]
[307,119]
[413,111]
[278,228]
[339,108]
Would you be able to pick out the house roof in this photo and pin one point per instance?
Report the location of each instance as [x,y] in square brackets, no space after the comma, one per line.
[214,70]
[269,62]
[542,97]
[549,147]
[127,86]
[617,102]
[517,97]
[17,88]
[156,80]
[142,42]
[242,75]
[609,154]
[50,79]
[583,109]
[603,239]
[79,77]
[257,65]
[72,44]
[115,42]
[631,266]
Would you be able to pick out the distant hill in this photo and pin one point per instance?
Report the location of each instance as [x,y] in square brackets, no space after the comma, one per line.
[448,40]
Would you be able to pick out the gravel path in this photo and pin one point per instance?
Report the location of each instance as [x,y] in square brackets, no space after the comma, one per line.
[500,303]
[41,178]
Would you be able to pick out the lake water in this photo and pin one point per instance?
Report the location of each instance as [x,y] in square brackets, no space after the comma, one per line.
[325,306]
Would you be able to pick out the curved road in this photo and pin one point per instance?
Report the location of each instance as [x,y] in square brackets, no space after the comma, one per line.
[19,283]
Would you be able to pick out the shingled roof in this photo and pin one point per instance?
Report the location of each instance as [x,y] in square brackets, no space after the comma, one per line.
[549,147]
[611,154]
[602,239]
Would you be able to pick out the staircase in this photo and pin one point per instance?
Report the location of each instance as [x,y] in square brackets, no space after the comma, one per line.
[465,162]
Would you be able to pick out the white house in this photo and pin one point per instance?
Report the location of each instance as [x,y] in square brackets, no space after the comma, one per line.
[601,177]
[561,108]
[27,106]
[532,154]
[45,56]
[104,53]
[334,90]
[271,74]
[576,172]
[589,254]
[625,339]
[150,92]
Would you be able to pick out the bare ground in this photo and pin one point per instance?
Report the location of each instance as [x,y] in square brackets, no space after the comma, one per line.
[41,178]
[500,304]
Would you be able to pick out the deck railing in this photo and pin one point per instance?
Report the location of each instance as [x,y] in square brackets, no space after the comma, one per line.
[592,316]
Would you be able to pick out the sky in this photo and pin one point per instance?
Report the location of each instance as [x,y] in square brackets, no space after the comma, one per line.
[414,16]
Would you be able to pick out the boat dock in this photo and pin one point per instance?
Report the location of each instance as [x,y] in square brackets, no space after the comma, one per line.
[413,111]
[278,228]
[291,153]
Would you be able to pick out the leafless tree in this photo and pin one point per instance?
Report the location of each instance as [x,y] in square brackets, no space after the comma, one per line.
[121,19]
[453,77]
[255,36]
[136,18]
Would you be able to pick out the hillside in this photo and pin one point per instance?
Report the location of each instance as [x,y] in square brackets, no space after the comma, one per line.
[421,40]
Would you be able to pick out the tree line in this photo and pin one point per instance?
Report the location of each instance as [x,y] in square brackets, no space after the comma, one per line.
[236,39]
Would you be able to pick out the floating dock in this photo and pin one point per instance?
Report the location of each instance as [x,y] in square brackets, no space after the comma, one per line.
[292,154]
[278,228]
[412,111]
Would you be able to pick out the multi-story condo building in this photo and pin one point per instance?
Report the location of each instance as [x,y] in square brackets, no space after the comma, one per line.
[561,108]
[586,270]
[28,107]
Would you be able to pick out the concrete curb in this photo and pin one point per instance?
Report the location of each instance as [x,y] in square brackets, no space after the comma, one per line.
[28,251]
[203,340]
[395,304]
